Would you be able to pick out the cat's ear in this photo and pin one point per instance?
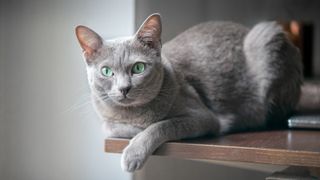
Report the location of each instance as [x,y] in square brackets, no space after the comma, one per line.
[89,41]
[149,33]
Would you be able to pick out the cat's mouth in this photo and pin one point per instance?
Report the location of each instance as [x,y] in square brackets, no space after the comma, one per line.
[124,99]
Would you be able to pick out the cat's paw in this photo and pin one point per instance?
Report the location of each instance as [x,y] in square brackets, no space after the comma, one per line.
[133,158]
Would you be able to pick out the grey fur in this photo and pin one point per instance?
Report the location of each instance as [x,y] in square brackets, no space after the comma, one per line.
[214,78]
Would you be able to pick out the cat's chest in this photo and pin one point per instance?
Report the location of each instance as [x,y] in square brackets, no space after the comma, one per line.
[113,129]
[137,117]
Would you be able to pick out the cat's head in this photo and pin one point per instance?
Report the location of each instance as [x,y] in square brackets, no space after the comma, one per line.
[128,71]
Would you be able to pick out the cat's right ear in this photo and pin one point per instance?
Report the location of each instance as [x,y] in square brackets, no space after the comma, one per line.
[89,41]
[149,33]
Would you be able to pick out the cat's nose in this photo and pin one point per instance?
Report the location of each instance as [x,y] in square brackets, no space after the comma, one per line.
[125,90]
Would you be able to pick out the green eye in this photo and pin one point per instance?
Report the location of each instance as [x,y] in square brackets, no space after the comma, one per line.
[138,68]
[106,71]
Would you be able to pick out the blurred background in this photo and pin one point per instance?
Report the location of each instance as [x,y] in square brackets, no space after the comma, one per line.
[48,129]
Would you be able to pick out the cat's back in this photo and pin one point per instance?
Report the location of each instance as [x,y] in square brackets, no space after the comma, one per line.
[205,46]
[210,58]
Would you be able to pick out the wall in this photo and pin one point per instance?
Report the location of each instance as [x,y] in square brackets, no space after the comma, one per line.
[2,58]
[177,15]
[52,132]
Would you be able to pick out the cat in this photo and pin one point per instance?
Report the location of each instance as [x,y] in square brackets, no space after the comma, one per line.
[212,79]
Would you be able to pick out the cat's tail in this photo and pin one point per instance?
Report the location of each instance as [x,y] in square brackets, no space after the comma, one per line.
[274,64]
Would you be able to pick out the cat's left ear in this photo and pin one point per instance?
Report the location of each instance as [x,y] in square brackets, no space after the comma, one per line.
[149,33]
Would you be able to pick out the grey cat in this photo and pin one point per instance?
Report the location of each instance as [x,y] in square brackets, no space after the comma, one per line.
[214,78]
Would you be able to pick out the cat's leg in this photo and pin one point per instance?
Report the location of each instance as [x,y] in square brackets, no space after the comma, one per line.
[147,141]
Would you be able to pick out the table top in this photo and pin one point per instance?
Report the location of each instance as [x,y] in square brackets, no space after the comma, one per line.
[281,147]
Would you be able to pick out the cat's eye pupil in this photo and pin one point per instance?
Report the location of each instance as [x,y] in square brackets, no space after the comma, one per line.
[138,68]
[106,71]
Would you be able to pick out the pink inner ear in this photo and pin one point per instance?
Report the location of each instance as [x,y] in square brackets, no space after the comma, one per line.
[88,39]
[150,31]
[152,28]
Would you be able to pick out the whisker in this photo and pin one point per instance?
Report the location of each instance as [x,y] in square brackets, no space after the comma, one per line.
[81,101]
[76,106]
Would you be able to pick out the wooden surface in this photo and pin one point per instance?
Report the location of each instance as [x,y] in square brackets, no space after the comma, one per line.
[283,147]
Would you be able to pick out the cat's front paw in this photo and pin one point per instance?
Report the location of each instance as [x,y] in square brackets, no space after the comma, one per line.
[133,158]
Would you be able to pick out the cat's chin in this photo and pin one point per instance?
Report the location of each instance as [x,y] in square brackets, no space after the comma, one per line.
[126,102]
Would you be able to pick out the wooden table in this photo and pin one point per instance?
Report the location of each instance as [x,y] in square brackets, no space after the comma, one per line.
[279,147]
